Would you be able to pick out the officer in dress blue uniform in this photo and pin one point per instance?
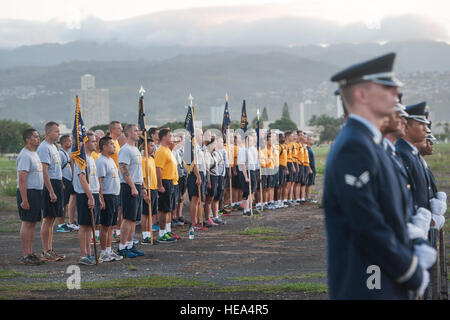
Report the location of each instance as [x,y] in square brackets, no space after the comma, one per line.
[364,216]
[416,130]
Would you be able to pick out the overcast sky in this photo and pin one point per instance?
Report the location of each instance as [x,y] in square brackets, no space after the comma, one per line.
[231,22]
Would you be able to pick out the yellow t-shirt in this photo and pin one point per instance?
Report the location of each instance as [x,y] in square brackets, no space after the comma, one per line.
[276,156]
[229,152]
[283,155]
[305,156]
[268,157]
[152,172]
[165,160]
[289,152]
[300,156]
[95,155]
[115,156]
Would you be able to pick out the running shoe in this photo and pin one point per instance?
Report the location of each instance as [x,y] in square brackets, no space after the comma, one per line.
[166,239]
[63,228]
[31,260]
[73,226]
[126,253]
[55,255]
[106,257]
[218,220]
[115,256]
[146,241]
[86,261]
[46,256]
[211,223]
[136,251]
[174,236]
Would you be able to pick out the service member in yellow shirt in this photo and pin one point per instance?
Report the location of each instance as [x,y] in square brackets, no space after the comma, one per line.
[166,172]
[153,185]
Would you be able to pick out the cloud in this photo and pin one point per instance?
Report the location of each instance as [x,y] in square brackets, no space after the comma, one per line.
[228,26]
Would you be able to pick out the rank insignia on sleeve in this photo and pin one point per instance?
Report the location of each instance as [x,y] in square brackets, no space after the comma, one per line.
[357,182]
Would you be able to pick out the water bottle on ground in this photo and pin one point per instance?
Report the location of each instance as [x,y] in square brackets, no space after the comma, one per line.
[191,233]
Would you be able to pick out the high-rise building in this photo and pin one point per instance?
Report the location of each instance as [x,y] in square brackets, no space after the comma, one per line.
[94,102]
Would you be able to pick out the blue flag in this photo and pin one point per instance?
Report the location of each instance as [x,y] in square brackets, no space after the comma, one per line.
[257,133]
[226,119]
[141,121]
[79,138]
[244,121]
[189,144]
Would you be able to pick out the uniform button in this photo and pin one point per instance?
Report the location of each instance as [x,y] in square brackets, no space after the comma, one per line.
[408,186]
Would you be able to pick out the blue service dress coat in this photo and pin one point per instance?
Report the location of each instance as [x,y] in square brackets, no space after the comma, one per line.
[365,220]
[403,179]
[419,179]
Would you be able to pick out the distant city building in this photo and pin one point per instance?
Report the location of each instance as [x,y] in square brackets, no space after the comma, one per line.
[94,102]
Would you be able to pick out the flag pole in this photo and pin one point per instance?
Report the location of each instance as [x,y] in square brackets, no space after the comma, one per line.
[229,167]
[260,168]
[150,218]
[191,98]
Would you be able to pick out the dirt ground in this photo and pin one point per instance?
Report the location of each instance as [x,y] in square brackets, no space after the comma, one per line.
[281,250]
[279,255]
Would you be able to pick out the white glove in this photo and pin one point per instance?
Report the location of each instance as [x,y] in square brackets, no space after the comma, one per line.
[426,254]
[424,284]
[438,207]
[415,232]
[422,219]
[438,221]
[442,196]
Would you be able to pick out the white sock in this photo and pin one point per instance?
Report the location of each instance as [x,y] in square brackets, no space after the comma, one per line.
[103,252]
[129,244]
[122,246]
[168,227]
[162,232]
[97,233]
[109,250]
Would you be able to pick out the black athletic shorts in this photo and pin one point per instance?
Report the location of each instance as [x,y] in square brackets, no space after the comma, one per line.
[182,186]
[83,212]
[35,201]
[212,192]
[165,199]
[290,176]
[226,181]
[55,209]
[175,197]
[311,179]
[275,179]
[235,180]
[297,173]
[68,190]
[131,206]
[154,200]
[108,217]
[221,188]
[192,186]
[282,175]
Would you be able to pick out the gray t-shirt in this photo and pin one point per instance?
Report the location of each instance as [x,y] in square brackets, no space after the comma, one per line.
[242,158]
[93,180]
[65,164]
[107,169]
[132,157]
[48,153]
[30,162]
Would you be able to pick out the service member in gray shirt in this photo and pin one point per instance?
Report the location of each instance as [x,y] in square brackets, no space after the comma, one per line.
[87,194]
[108,176]
[30,183]
[52,206]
